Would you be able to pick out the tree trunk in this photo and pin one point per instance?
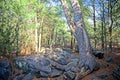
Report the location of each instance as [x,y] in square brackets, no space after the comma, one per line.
[78,29]
[111,24]
[94,21]
[102,19]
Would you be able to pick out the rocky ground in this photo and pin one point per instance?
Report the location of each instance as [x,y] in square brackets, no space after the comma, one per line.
[59,65]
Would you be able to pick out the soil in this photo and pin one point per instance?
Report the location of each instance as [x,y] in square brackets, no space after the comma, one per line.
[106,67]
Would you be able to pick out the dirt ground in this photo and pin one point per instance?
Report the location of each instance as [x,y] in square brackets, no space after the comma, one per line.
[106,67]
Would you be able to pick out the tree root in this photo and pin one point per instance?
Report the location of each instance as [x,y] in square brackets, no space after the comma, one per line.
[82,74]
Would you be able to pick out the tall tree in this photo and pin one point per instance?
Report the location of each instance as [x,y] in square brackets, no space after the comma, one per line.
[77,27]
[94,21]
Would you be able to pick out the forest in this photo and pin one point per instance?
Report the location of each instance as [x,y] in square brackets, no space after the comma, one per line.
[59,39]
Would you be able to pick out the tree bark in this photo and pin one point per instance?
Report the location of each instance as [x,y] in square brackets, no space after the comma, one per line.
[77,27]
[102,19]
[94,21]
[111,24]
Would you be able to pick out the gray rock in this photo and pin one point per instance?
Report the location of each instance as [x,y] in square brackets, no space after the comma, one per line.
[29,76]
[102,75]
[56,65]
[5,69]
[36,66]
[69,75]
[62,61]
[46,69]
[109,59]
[96,78]
[74,57]
[70,65]
[67,50]
[43,74]
[65,54]
[75,69]
[19,77]
[44,61]
[56,72]
[98,53]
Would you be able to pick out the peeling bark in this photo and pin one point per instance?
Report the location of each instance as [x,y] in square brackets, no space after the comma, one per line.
[77,27]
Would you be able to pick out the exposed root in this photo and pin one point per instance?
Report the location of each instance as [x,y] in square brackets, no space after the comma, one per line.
[82,74]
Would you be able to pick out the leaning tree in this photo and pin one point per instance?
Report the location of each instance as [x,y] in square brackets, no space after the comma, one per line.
[79,31]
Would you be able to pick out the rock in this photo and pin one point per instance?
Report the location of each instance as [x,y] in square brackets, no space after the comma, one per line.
[56,72]
[67,50]
[102,75]
[97,66]
[70,65]
[62,61]
[21,63]
[109,59]
[96,78]
[43,74]
[74,57]
[44,61]
[65,54]
[46,69]
[29,76]
[75,69]
[19,77]
[99,54]
[69,75]
[58,50]
[116,73]
[5,69]
[56,65]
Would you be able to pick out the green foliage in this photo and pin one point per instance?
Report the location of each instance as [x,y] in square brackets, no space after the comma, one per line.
[17,25]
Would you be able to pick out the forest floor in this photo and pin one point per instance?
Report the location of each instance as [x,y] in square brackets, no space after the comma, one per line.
[105,67]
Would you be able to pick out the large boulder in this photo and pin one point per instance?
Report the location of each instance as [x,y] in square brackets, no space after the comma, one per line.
[116,72]
[5,69]
[98,53]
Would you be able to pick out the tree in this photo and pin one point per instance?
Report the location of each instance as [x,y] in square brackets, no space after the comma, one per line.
[94,21]
[78,29]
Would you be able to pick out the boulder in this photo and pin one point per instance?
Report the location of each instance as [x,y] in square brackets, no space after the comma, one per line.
[62,61]
[29,76]
[46,69]
[18,77]
[75,69]
[70,65]
[44,61]
[67,50]
[98,53]
[5,69]
[57,65]
[44,74]
[96,78]
[102,75]
[56,72]
[109,59]
[69,75]
[116,73]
